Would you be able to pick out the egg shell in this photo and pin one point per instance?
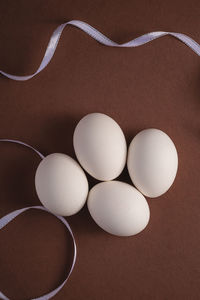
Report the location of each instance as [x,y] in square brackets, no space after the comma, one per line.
[100,146]
[61,184]
[152,162]
[118,208]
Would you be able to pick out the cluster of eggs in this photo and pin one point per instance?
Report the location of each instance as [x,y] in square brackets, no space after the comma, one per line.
[100,147]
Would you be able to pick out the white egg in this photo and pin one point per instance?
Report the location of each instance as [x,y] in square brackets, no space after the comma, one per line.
[100,146]
[61,184]
[118,208]
[152,162]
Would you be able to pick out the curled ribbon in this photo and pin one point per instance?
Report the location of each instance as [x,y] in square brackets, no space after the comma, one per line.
[95,34]
[11,216]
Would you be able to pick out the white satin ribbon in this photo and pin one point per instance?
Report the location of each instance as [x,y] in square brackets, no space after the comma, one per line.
[23,144]
[11,216]
[95,34]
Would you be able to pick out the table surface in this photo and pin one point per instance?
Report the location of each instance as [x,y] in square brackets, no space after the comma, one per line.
[155,85]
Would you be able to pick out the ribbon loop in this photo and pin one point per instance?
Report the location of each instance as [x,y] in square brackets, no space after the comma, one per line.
[11,216]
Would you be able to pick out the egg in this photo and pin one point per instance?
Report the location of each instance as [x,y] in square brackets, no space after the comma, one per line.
[61,184]
[100,146]
[118,208]
[152,162]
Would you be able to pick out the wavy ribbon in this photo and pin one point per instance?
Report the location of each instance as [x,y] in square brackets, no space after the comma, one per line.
[11,216]
[95,34]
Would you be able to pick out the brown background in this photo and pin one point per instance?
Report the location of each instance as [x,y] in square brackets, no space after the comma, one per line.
[156,85]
